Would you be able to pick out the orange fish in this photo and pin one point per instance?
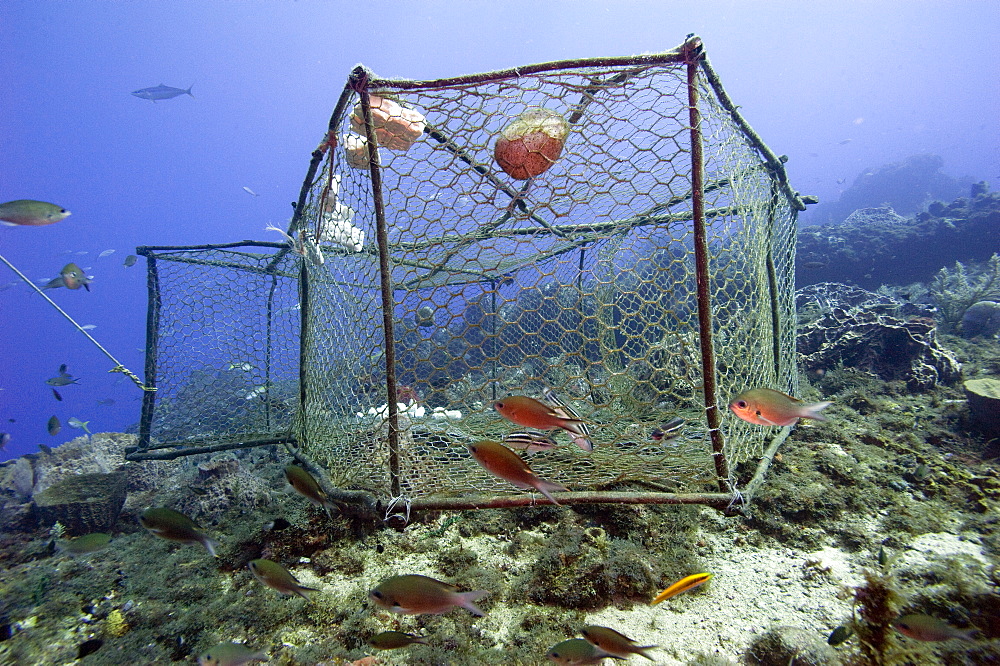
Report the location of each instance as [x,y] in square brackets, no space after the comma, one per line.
[532,413]
[764,406]
[683,585]
[500,461]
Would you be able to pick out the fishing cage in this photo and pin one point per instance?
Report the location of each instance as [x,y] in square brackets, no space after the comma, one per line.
[641,270]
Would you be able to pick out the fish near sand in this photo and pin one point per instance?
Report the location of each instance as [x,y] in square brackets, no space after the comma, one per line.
[683,585]
[614,643]
[764,406]
[31,213]
[278,578]
[531,413]
[500,461]
[305,485]
[413,594]
[175,526]
[161,92]
[230,654]
[577,652]
[930,629]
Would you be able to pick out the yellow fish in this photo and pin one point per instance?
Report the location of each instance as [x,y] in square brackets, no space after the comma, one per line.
[413,594]
[278,578]
[683,585]
[764,406]
[500,461]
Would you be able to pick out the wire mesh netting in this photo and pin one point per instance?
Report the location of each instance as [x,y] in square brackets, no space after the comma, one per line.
[533,232]
[222,344]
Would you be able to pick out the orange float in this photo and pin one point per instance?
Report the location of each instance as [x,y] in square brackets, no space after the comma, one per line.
[531,143]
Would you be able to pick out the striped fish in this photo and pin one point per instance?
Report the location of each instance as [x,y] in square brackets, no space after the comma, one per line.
[579,428]
[529,441]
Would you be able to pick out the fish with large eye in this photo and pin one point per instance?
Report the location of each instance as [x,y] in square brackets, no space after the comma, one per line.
[764,406]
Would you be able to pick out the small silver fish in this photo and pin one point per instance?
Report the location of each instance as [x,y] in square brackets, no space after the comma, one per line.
[130,260]
[106,253]
[161,92]
[250,192]
[74,422]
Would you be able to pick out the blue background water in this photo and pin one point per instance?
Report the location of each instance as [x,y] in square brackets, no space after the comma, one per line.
[895,78]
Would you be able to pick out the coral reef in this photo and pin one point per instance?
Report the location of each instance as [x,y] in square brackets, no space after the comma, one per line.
[904,185]
[876,246]
[893,340]
[984,404]
[892,468]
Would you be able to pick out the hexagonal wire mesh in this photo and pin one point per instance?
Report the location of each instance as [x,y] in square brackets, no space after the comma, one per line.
[222,345]
[585,280]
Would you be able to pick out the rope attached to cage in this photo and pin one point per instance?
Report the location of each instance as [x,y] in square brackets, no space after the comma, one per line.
[119,366]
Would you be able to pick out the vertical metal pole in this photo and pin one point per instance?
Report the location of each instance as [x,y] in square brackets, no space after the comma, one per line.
[359,80]
[269,342]
[152,342]
[772,286]
[305,341]
[712,415]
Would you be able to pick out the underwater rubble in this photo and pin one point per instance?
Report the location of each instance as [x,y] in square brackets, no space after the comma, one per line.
[893,471]
[889,507]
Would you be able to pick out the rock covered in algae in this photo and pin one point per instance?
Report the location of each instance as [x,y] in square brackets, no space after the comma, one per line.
[791,645]
[874,333]
[83,504]
[981,319]
[984,403]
